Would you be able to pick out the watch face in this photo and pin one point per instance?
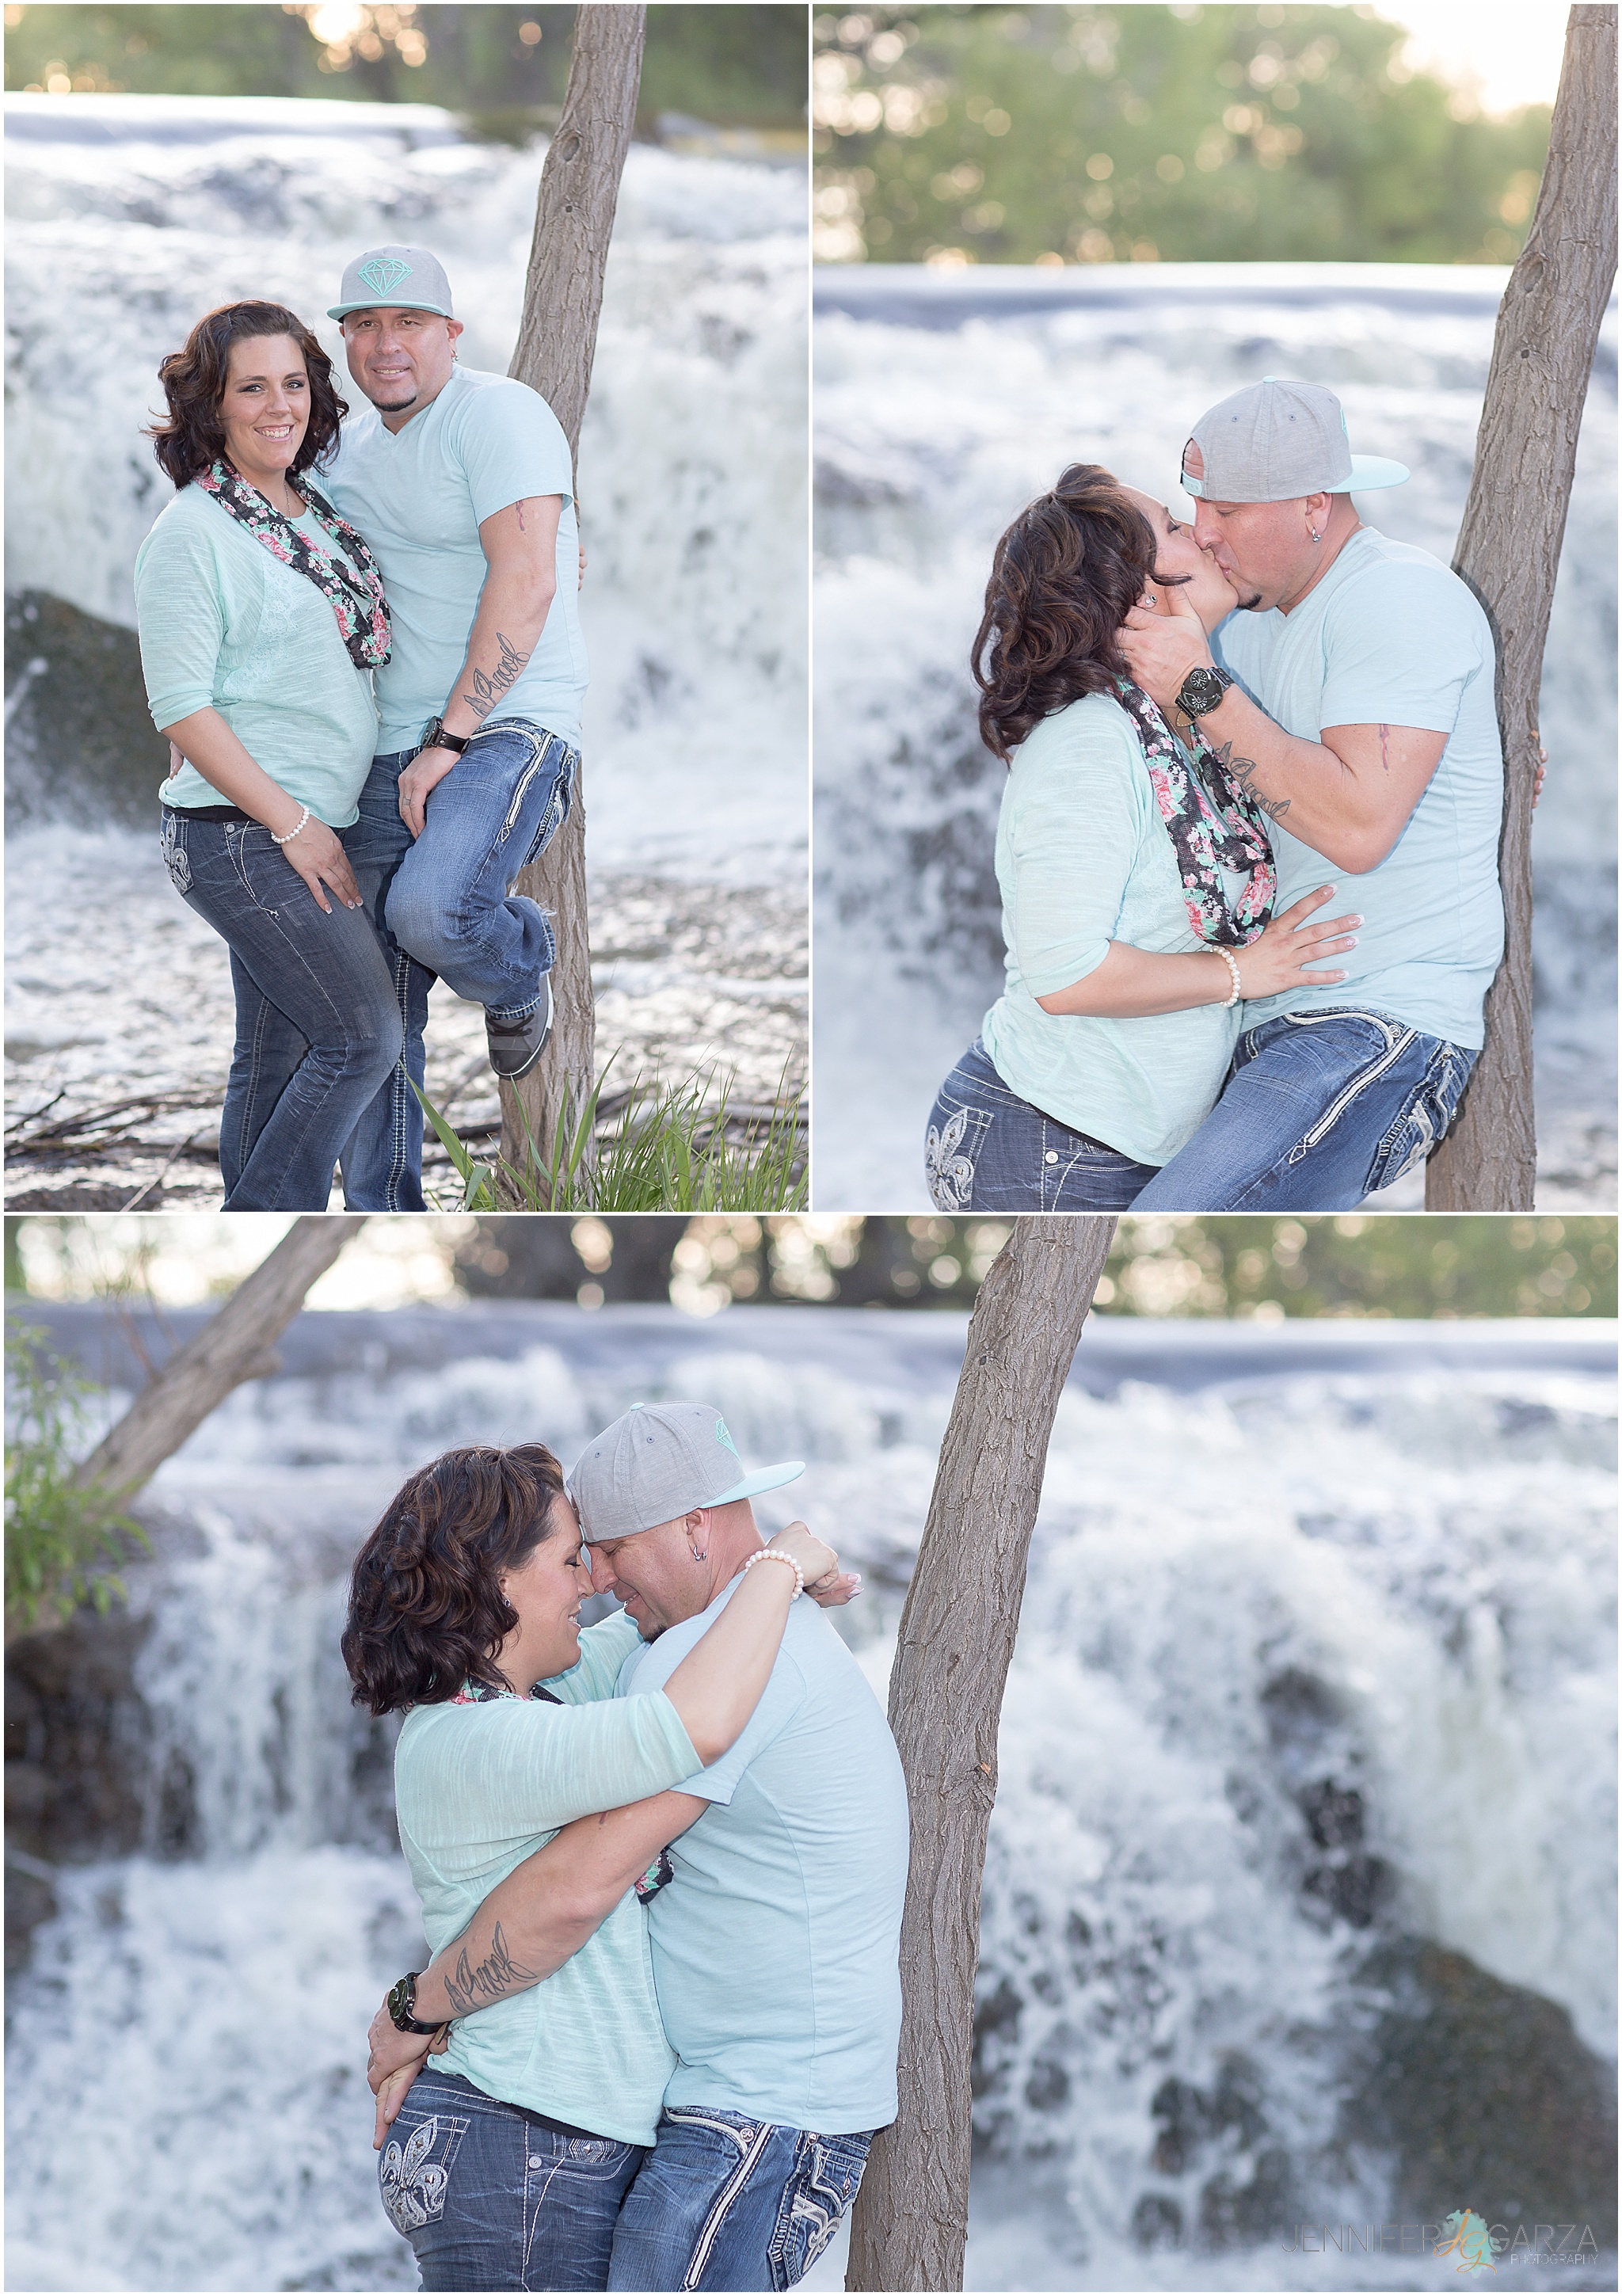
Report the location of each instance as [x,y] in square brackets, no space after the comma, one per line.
[1202,689]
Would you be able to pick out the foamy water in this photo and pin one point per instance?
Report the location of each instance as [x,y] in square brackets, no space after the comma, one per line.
[945,403]
[1415,1522]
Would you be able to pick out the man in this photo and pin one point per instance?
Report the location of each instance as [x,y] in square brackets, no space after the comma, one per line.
[463,484]
[1353,701]
[776,1943]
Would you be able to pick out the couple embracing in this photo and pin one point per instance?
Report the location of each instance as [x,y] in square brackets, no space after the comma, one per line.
[661,1862]
[361,639]
[1217,734]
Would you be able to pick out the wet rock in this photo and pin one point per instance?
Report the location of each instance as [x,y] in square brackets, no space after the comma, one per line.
[1484,2096]
[1242,2207]
[1157,2222]
[30,1898]
[76,1733]
[78,736]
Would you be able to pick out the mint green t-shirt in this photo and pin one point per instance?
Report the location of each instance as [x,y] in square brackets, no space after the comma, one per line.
[776,1946]
[477,1789]
[1083,858]
[226,626]
[1390,636]
[418,494]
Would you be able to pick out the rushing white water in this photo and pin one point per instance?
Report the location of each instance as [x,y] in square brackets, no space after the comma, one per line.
[130,215]
[943,404]
[1401,1533]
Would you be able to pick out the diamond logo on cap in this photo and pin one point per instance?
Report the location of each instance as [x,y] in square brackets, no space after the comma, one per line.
[726,1440]
[383,274]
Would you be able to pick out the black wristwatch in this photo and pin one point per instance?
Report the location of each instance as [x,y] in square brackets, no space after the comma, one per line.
[437,738]
[1202,689]
[402,2005]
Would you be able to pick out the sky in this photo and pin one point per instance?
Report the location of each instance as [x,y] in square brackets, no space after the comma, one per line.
[1511,52]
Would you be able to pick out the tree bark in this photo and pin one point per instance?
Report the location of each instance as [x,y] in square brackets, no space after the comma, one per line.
[231,1347]
[1508,553]
[574,218]
[957,1638]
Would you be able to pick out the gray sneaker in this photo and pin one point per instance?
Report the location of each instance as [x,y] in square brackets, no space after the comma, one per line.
[516,1045]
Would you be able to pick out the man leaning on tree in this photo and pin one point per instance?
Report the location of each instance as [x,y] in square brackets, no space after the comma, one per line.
[1351,695]
[464,486]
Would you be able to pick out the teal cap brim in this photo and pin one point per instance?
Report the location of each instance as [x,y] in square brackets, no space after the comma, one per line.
[764,1478]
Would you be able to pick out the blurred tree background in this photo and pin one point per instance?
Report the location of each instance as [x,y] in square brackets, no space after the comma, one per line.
[1242,1266]
[1141,133]
[501,67]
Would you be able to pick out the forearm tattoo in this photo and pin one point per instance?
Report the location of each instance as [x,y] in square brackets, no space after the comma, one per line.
[490,685]
[475,1986]
[1242,772]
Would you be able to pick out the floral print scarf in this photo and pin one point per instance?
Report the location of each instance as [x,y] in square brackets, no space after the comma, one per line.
[360,606]
[1210,821]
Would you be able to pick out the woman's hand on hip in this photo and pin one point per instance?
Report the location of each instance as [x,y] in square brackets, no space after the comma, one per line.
[317,854]
[816,1559]
[1279,959]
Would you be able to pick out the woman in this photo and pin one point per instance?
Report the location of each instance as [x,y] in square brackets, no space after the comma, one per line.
[262,618]
[522,2143]
[1135,872]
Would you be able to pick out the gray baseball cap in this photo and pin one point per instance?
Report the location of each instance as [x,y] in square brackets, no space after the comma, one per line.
[657,1463]
[393,278]
[1275,440]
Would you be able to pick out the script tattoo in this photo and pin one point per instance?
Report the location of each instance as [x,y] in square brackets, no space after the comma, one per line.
[1385,761]
[1243,771]
[490,685]
[497,1976]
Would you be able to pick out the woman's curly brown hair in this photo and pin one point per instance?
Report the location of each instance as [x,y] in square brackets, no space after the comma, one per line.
[1066,574]
[426,1609]
[194,379]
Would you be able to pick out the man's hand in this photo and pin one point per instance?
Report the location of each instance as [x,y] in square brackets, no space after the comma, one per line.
[1161,649]
[425,772]
[839,1587]
[393,2062]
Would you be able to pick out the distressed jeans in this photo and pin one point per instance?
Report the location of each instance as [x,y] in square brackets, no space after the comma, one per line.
[1322,1107]
[725,2202]
[317,1030]
[444,908]
[491,2196]
[988,1151]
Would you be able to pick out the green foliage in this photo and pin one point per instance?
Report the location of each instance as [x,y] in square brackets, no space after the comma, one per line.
[1187,134]
[59,1536]
[1242,1266]
[667,1153]
[741,65]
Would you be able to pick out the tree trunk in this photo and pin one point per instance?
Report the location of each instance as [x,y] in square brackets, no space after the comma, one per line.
[557,340]
[231,1347]
[1508,553]
[957,1637]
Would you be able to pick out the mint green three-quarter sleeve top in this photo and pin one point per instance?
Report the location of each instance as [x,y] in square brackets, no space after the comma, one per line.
[226,626]
[477,1789]
[1083,858]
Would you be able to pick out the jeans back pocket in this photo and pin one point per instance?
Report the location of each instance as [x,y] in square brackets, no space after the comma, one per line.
[413,2177]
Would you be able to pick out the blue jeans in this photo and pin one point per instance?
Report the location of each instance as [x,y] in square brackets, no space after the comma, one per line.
[491,2196]
[317,1032]
[442,905]
[1322,1107]
[723,2201]
[988,1151]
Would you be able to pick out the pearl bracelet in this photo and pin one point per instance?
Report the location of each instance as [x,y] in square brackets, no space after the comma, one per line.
[293,831]
[776,1554]
[1236,992]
